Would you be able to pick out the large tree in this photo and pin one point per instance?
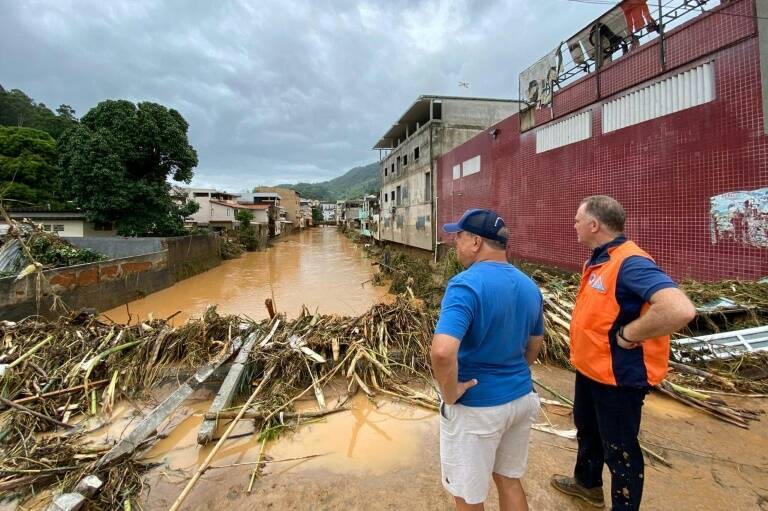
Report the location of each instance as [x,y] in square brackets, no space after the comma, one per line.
[117,162]
[29,174]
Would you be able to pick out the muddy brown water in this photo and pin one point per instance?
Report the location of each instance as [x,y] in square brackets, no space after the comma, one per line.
[319,267]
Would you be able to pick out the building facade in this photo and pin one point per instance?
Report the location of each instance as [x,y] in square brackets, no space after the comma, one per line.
[289,201]
[67,224]
[329,211]
[217,208]
[409,150]
[675,130]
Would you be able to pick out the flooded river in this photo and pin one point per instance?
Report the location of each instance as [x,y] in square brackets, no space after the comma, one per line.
[319,267]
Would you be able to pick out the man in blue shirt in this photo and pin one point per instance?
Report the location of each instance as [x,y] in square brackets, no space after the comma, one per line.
[490,330]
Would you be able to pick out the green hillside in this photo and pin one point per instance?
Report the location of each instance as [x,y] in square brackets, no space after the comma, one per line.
[354,183]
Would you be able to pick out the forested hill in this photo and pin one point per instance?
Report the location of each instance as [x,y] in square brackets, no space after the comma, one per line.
[354,183]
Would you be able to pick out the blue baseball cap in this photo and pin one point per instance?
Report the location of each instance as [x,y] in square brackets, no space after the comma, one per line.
[483,222]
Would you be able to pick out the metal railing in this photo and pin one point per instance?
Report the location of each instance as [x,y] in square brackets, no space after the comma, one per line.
[665,14]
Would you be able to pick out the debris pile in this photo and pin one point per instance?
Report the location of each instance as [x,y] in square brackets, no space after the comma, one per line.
[57,374]
[47,249]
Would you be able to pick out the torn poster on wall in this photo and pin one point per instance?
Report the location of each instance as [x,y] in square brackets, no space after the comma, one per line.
[740,216]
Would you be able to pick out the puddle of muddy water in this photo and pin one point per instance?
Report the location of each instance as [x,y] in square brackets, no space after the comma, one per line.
[373,436]
[318,267]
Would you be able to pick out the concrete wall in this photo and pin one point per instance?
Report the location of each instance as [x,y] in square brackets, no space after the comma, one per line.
[693,182]
[117,247]
[107,284]
[476,113]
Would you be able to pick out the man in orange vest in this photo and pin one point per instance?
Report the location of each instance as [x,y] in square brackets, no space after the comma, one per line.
[625,310]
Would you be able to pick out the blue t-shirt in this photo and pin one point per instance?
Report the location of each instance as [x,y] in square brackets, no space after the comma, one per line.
[492,308]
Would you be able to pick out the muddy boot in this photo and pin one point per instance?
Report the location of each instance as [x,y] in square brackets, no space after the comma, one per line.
[570,486]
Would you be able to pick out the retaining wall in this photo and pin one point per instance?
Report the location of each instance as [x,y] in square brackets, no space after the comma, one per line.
[107,284]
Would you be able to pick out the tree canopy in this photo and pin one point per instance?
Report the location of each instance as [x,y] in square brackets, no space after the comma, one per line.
[19,110]
[29,174]
[117,161]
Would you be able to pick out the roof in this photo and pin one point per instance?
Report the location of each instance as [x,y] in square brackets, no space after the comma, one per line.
[258,207]
[51,215]
[230,204]
[418,111]
[266,195]
[209,190]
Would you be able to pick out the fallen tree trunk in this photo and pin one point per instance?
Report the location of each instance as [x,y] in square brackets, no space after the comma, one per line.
[284,415]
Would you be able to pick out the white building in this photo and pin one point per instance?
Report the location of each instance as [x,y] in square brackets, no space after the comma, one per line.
[67,224]
[217,208]
[329,211]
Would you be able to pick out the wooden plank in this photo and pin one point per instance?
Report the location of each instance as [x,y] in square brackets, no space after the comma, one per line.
[227,390]
[152,421]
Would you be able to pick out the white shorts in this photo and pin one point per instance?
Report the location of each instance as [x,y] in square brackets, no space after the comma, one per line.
[477,441]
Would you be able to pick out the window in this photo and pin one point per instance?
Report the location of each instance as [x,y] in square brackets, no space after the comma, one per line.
[688,89]
[393,195]
[428,186]
[568,131]
[457,171]
[386,197]
[398,164]
[416,153]
[202,194]
[47,227]
[393,169]
[58,227]
[437,110]
[398,196]
[405,160]
[385,171]
[470,166]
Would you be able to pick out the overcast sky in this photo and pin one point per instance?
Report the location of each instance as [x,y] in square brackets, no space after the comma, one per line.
[277,91]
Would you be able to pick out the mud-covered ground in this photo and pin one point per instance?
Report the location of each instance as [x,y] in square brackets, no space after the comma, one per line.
[384,455]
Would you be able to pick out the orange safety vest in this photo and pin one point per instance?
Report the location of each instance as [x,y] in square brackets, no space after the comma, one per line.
[594,352]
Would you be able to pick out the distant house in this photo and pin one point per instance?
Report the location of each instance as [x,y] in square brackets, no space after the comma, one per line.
[339,212]
[269,208]
[329,211]
[305,213]
[217,208]
[350,215]
[369,216]
[289,200]
[67,224]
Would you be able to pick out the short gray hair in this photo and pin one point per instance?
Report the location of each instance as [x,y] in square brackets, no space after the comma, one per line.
[504,233]
[607,211]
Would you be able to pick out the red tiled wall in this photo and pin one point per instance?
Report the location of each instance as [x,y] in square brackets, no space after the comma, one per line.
[577,95]
[663,171]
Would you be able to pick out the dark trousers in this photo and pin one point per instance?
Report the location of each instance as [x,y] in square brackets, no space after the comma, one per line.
[607,419]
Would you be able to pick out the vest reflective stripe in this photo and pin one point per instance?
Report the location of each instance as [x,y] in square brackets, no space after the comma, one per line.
[593,327]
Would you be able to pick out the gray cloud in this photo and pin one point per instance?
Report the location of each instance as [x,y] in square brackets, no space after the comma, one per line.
[277,91]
